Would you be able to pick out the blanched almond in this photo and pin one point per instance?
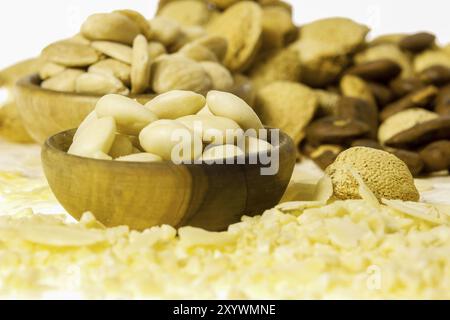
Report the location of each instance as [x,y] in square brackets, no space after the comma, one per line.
[213,129]
[114,50]
[118,69]
[178,72]
[131,116]
[221,78]
[164,30]
[97,137]
[139,19]
[50,69]
[140,65]
[197,52]
[99,84]
[121,146]
[227,105]
[110,27]
[171,140]
[175,104]
[64,81]
[70,54]
[222,152]
[217,44]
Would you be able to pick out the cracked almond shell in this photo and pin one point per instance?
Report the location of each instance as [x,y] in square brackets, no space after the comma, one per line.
[387,51]
[402,121]
[421,134]
[431,58]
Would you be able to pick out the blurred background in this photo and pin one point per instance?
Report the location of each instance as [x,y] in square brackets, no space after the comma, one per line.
[27,26]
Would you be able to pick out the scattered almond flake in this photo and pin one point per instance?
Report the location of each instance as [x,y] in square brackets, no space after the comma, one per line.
[424,211]
[364,191]
[89,221]
[60,236]
[444,209]
[289,207]
[327,251]
[442,185]
[303,182]
[440,195]
[152,236]
[324,189]
[300,191]
[191,237]
[344,233]
[423,185]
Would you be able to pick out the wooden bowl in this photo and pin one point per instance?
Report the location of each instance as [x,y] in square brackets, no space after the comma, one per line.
[142,195]
[46,112]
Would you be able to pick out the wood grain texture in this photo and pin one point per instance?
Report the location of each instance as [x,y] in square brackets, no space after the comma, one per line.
[142,195]
[46,112]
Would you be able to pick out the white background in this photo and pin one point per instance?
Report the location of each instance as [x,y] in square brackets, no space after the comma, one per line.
[26,26]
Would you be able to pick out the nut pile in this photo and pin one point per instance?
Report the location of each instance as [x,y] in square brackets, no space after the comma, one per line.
[330,88]
[391,93]
[323,83]
[179,126]
[122,53]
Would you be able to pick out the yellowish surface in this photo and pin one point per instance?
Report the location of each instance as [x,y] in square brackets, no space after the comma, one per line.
[349,249]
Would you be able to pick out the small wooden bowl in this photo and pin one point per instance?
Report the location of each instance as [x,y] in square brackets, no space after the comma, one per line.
[46,112]
[143,195]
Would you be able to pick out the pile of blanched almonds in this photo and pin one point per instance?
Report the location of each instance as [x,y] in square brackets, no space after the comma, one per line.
[179,126]
[121,52]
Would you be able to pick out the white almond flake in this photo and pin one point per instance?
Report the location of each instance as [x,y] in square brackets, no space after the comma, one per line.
[324,189]
[344,233]
[289,207]
[60,236]
[364,191]
[191,237]
[424,211]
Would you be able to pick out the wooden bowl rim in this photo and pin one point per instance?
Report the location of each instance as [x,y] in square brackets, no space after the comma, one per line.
[284,143]
[32,82]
